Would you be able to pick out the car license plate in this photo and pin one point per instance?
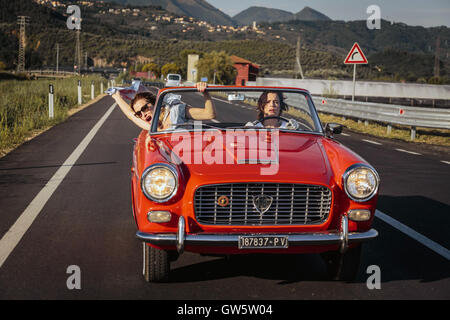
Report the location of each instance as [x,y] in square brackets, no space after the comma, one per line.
[263,242]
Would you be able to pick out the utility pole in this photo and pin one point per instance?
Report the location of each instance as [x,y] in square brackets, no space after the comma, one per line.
[436,57]
[57,58]
[21,21]
[78,51]
[299,65]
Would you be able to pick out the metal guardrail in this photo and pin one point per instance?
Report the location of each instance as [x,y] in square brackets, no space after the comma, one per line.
[50,72]
[384,113]
[390,114]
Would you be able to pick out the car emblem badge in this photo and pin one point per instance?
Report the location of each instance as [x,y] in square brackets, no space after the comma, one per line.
[262,203]
[223,201]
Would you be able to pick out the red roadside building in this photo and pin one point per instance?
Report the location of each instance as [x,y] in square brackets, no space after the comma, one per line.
[247,70]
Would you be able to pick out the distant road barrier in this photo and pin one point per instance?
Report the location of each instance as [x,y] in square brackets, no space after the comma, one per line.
[363,88]
[51,72]
[386,113]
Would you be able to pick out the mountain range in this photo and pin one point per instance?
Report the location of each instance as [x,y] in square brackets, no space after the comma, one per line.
[262,14]
[124,39]
[202,10]
[198,9]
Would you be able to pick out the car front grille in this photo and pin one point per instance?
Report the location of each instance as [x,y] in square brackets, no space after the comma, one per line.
[286,204]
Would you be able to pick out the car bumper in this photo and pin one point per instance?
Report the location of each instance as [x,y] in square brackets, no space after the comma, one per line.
[181,239]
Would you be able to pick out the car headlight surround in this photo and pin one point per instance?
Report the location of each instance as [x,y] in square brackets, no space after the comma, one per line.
[360,182]
[159,182]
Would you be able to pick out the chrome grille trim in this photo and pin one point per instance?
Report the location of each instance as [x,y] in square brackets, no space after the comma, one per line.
[293,204]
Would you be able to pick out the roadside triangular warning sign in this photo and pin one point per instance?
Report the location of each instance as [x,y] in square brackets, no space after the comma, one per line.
[356,56]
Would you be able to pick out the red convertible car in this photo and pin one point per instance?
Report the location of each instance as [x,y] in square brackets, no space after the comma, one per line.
[263,176]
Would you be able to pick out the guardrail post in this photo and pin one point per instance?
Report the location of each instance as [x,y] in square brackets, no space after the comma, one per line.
[92,90]
[101,87]
[80,100]
[366,123]
[51,113]
[413,133]
[389,129]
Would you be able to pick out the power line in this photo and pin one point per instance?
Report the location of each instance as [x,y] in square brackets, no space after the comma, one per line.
[57,58]
[78,52]
[22,21]
[299,65]
[436,57]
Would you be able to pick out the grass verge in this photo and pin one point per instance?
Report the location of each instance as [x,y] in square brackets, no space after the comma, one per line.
[24,106]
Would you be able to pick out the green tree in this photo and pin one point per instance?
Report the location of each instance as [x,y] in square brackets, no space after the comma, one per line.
[152,67]
[2,66]
[219,63]
[169,68]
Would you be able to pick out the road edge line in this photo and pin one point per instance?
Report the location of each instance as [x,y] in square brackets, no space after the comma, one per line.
[430,244]
[12,237]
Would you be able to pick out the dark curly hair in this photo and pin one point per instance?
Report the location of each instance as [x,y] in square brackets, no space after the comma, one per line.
[148,96]
[262,101]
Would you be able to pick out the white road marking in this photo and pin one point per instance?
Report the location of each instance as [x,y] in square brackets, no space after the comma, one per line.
[345,134]
[23,223]
[430,244]
[372,142]
[410,152]
[446,162]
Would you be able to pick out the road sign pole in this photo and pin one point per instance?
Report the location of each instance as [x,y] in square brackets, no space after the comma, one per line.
[50,102]
[354,82]
[79,92]
[355,56]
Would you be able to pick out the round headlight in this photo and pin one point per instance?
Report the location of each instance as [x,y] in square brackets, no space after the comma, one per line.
[361,182]
[159,182]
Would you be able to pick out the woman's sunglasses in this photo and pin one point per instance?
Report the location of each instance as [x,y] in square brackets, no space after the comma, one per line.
[143,109]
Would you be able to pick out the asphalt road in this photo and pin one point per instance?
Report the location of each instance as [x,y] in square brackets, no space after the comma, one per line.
[87,222]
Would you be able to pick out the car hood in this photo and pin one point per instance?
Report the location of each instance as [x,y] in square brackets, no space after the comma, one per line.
[282,156]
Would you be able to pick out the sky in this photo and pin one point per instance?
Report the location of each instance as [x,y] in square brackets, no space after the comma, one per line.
[429,13]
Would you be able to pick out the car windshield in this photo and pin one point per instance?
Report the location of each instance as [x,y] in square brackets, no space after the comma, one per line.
[265,108]
[174,77]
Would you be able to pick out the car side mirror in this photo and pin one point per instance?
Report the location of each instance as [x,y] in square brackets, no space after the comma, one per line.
[333,128]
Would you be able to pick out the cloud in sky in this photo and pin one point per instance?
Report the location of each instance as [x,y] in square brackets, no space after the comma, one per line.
[413,12]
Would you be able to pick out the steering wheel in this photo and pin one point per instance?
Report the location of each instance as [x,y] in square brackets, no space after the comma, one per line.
[292,124]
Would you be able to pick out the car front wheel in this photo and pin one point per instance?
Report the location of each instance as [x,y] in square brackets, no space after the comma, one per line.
[156,264]
[343,266]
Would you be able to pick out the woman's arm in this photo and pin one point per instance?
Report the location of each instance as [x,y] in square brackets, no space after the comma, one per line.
[129,113]
[206,113]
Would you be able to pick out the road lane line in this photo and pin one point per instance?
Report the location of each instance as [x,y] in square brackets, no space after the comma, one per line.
[430,244]
[345,134]
[446,162]
[372,142]
[13,236]
[410,152]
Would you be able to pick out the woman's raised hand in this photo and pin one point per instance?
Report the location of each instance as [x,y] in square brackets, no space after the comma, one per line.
[201,86]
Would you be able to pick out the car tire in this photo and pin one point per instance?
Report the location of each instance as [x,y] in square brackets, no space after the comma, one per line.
[343,266]
[156,264]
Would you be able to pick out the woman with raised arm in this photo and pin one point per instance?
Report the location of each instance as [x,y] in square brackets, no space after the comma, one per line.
[141,109]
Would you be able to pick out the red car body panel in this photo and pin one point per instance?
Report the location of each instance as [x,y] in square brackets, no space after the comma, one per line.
[303,158]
